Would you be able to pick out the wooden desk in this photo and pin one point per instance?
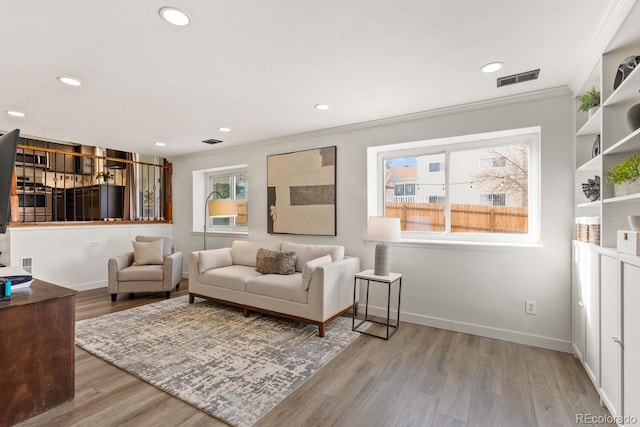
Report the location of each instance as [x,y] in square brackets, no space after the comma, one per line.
[37,353]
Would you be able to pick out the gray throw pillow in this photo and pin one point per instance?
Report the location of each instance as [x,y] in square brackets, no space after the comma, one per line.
[275,262]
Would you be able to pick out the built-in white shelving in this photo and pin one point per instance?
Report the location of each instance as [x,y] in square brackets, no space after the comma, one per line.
[592,126]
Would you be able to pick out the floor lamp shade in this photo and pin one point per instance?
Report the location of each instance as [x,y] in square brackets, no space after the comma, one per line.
[222,208]
[217,208]
[383,230]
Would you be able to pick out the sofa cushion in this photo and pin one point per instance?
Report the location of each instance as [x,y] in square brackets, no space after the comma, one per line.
[244,253]
[138,273]
[147,252]
[232,277]
[275,262]
[309,252]
[214,258]
[167,243]
[277,286]
[310,266]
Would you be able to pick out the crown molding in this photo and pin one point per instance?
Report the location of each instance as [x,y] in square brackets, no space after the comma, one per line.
[389,121]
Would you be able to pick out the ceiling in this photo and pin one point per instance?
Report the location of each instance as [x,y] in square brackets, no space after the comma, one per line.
[259,67]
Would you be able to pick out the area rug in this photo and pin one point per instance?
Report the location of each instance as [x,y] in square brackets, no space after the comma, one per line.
[237,369]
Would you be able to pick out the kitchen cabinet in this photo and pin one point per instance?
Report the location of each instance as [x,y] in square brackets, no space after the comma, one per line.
[96,202]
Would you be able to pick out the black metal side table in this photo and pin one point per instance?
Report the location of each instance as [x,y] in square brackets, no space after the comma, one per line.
[389,280]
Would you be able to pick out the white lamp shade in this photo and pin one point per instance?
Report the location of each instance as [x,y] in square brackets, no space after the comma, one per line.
[383,229]
[222,208]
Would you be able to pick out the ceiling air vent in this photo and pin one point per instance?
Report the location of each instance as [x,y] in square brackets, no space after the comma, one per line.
[518,78]
[212,141]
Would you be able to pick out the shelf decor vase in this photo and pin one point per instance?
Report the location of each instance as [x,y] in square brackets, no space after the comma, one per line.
[626,188]
[591,111]
[633,117]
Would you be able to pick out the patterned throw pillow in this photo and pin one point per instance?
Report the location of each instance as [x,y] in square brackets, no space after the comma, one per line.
[275,262]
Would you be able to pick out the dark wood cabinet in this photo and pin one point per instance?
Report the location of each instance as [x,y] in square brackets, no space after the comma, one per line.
[37,348]
[97,202]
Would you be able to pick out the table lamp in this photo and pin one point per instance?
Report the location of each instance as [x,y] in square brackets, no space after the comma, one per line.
[383,230]
[218,208]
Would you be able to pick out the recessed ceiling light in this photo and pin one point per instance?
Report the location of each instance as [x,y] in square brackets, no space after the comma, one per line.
[224,129]
[160,144]
[15,113]
[322,106]
[492,67]
[174,16]
[70,81]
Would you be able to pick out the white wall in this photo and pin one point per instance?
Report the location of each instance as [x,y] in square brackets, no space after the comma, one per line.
[75,256]
[474,289]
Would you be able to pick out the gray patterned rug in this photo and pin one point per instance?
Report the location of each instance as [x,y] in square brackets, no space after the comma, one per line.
[234,368]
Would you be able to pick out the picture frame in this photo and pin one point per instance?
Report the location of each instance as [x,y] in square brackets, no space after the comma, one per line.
[301,192]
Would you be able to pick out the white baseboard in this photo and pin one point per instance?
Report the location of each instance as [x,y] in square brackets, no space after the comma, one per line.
[475,329]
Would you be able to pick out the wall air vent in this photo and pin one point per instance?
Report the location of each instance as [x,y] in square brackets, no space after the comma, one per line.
[212,141]
[518,78]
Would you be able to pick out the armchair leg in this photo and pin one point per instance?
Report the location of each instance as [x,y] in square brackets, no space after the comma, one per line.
[192,298]
[168,294]
[113,297]
[178,285]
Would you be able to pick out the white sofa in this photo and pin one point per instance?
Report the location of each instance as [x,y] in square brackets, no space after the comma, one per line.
[229,275]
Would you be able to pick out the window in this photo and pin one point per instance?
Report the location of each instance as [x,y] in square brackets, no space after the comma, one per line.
[488,190]
[493,199]
[230,182]
[493,162]
[436,167]
[230,185]
[405,189]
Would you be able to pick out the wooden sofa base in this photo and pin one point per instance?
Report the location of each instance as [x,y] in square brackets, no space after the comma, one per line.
[247,309]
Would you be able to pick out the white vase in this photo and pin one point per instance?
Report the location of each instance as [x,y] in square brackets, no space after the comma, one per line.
[592,111]
[626,188]
[634,222]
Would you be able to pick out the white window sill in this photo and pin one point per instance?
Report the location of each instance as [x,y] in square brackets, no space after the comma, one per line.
[223,233]
[467,245]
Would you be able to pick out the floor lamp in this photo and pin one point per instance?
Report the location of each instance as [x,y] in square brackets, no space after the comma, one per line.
[217,208]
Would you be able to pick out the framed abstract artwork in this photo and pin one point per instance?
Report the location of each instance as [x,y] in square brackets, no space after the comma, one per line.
[301,192]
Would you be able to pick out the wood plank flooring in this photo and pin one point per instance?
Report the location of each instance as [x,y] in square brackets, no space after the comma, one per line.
[421,377]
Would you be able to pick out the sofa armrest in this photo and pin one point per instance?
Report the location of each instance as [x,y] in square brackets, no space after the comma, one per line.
[331,288]
[115,264]
[194,269]
[172,270]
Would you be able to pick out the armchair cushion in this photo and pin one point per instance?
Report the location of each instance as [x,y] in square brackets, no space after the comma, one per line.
[145,253]
[167,243]
[141,273]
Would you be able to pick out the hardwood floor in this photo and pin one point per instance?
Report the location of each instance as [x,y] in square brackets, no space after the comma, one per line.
[421,377]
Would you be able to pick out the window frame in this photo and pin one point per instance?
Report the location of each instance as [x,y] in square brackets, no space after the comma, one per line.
[202,180]
[376,156]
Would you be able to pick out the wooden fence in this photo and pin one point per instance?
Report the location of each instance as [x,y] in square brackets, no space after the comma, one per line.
[464,218]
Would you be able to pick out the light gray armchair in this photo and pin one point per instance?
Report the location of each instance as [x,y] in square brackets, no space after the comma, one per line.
[160,275]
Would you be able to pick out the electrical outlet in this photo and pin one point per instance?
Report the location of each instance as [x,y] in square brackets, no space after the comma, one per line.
[530,307]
